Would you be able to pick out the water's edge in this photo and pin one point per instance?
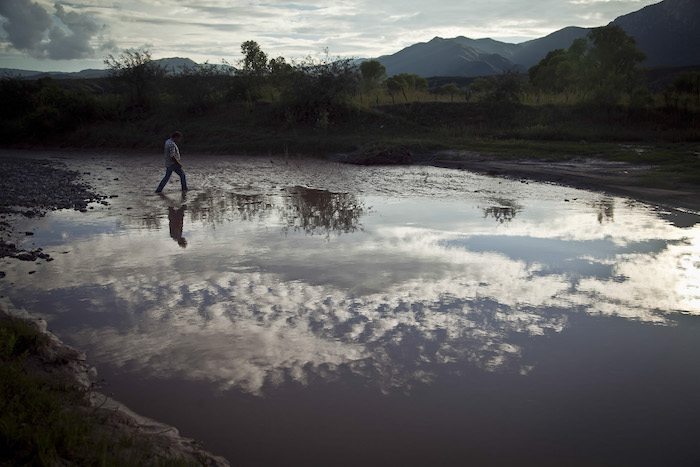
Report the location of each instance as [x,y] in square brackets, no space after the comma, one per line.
[164,439]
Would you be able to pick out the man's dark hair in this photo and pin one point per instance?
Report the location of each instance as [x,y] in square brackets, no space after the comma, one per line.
[176,134]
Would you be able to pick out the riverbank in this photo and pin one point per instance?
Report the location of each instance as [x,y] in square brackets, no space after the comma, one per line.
[52,391]
[649,182]
[612,177]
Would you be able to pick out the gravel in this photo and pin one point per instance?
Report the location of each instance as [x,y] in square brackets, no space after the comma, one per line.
[30,188]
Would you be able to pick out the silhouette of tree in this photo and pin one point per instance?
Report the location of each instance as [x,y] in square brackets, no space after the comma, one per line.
[136,68]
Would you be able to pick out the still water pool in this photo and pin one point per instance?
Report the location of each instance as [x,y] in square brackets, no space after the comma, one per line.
[291,312]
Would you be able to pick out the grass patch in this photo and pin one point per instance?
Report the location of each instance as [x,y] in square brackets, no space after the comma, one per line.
[48,420]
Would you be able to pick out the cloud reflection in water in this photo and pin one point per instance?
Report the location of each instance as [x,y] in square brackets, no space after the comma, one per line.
[304,282]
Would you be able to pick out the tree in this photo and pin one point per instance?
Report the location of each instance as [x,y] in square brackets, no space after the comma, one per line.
[202,85]
[136,68]
[604,63]
[684,90]
[280,73]
[449,88]
[253,71]
[414,82]
[561,70]
[612,61]
[613,52]
[396,84]
[549,75]
[318,91]
[373,73]
[254,61]
[506,88]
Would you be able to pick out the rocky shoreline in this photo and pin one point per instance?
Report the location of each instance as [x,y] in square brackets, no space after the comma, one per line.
[30,188]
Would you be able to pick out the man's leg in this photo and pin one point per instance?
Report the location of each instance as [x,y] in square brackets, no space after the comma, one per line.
[168,173]
[183,180]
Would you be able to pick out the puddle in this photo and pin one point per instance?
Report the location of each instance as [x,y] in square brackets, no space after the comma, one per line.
[301,311]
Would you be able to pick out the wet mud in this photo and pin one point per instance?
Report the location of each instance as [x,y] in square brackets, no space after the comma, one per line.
[614,178]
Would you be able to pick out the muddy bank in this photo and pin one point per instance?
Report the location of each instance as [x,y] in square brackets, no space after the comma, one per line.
[615,178]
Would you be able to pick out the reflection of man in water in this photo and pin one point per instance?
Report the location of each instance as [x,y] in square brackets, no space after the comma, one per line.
[177,220]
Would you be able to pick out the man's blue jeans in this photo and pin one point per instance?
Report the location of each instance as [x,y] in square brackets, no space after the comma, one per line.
[168,172]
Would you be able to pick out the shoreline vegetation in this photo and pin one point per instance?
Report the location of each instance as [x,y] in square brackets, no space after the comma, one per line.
[651,155]
[52,414]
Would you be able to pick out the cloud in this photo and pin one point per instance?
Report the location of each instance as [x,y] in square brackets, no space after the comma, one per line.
[27,23]
[214,29]
[65,35]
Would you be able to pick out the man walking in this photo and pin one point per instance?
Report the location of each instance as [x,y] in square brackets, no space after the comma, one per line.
[172,162]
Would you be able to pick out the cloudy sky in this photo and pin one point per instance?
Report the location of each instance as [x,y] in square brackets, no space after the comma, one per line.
[46,35]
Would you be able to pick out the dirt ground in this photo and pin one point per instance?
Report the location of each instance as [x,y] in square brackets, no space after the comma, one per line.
[615,178]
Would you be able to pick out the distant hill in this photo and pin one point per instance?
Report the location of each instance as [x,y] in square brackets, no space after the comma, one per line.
[668,32]
[171,64]
[490,46]
[462,56]
[445,57]
[12,72]
[176,63]
[531,52]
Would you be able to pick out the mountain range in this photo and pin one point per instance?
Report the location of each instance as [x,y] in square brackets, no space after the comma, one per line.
[173,64]
[668,32]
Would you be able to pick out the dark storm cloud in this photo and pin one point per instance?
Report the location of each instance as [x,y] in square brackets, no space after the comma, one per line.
[26,25]
[64,36]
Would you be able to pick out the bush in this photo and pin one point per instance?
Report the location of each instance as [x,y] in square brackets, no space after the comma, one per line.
[319,92]
[506,88]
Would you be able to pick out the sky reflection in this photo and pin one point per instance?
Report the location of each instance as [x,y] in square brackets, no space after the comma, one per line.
[288,283]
